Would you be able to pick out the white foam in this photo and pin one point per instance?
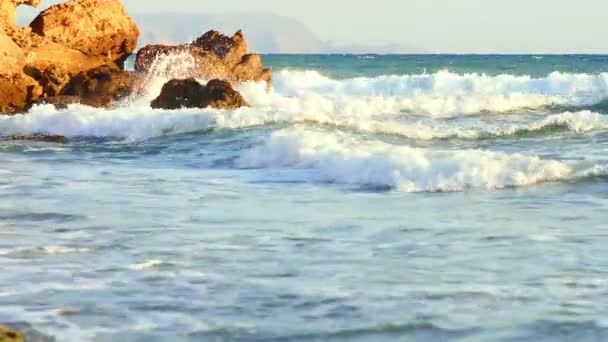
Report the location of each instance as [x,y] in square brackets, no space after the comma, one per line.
[148,264]
[55,250]
[443,83]
[371,105]
[138,123]
[448,94]
[343,159]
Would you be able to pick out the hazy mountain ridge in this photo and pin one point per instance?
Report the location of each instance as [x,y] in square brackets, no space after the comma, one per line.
[265,32]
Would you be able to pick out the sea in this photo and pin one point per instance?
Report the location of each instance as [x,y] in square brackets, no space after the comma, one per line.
[360,198]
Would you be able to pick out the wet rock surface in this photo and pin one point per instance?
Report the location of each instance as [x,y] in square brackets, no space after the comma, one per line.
[216,56]
[189,93]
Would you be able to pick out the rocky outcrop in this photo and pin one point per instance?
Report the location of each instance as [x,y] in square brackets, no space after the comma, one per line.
[69,49]
[215,56]
[94,27]
[42,53]
[188,93]
[73,53]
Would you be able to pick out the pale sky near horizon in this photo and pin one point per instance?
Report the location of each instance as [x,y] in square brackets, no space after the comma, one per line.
[450,26]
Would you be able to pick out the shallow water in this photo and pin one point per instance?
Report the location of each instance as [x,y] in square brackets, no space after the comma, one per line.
[360,200]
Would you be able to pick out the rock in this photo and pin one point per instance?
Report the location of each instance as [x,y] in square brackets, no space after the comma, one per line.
[188,93]
[177,94]
[215,56]
[9,335]
[16,92]
[102,82]
[41,53]
[195,62]
[229,49]
[8,10]
[221,95]
[53,80]
[95,27]
[27,332]
[251,68]
[37,137]
[69,49]
[12,58]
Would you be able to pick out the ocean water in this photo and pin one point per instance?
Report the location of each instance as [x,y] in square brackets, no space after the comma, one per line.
[364,198]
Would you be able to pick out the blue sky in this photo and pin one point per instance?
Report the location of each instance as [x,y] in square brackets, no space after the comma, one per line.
[493,26]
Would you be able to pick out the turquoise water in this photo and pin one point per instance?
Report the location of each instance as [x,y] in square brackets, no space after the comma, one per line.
[366,198]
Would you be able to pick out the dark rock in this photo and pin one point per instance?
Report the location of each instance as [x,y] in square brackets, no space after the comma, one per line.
[10,335]
[53,80]
[177,94]
[41,138]
[188,93]
[220,94]
[229,49]
[102,82]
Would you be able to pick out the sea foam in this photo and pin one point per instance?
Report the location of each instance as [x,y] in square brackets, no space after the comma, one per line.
[412,106]
[345,159]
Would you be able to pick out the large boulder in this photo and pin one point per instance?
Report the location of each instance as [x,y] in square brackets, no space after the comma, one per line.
[41,53]
[95,27]
[215,56]
[188,93]
[70,50]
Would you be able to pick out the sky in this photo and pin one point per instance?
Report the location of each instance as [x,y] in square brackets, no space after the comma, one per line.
[442,26]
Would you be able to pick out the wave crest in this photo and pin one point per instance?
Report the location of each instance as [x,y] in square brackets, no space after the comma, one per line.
[342,159]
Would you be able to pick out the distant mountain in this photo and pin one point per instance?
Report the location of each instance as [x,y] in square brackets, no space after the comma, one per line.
[265,32]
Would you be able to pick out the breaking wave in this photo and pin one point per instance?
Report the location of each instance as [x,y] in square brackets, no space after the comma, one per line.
[343,159]
[140,123]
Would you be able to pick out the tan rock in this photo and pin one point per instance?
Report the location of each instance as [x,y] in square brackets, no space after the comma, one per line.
[12,58]
[215,55]
[16,92]
[251,68]
[95,27]
[229,49]
[9,335]
[42,53]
